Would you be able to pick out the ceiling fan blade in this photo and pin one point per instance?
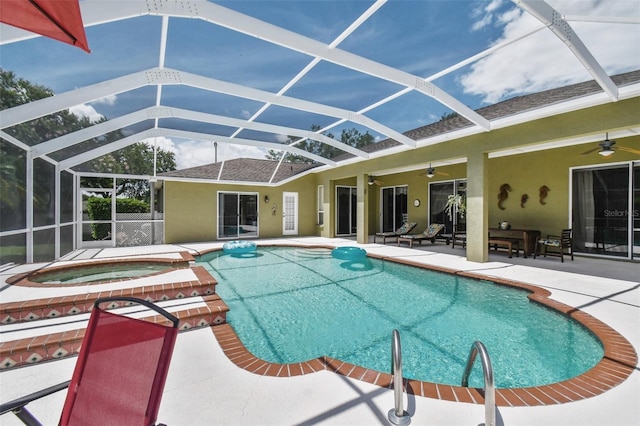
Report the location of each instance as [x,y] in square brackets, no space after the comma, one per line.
[631,150]
[442,173]
[591,150]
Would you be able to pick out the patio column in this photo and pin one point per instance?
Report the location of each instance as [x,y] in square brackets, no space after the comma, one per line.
[477,207]
[328,208]
[362,213]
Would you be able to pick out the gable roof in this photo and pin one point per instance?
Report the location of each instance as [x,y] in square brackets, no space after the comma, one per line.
[242,170]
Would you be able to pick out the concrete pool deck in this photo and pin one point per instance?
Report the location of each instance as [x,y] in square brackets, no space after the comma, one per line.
[205,387]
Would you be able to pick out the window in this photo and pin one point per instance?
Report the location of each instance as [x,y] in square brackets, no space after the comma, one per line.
[320,205]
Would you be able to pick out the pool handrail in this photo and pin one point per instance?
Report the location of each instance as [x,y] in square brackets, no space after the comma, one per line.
[397,415]
[489,385]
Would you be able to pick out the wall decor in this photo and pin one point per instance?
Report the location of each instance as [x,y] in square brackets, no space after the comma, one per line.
[505,188]
[544,191]
[523,200]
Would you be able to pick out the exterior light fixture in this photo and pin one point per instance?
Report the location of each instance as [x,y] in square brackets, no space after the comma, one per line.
[431,172]
[266,199]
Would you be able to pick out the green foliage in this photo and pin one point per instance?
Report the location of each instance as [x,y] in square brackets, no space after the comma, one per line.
[448,115]
[99,208]
[135,159]
[351,137]
[131,205]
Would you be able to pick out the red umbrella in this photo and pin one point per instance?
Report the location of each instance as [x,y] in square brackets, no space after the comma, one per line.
[57,19]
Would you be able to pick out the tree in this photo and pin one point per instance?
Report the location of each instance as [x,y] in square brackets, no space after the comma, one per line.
[351,137]
[448,115]
[135,159]
[13,92]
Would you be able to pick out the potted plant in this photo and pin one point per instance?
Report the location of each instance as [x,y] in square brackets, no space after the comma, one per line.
[456,204]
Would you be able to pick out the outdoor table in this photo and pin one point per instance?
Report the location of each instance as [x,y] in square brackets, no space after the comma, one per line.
[527,236]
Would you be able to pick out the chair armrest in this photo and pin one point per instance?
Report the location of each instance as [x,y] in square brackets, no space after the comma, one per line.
[24,400]
[143,302]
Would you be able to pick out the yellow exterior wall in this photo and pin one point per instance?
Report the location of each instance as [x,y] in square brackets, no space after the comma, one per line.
[191,208]
[189,212]
[526,173]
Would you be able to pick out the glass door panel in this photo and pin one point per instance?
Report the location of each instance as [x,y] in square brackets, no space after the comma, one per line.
[248,217]
[394,207]
[346,212]
[388,217]
[237,215]
[438,195]
[635,253]
[228,215]
[601,205]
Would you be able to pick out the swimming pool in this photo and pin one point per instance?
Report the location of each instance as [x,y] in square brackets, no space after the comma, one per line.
[291,305]
[94,273]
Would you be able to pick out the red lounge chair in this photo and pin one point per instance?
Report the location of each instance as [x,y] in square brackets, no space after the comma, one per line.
[120,372]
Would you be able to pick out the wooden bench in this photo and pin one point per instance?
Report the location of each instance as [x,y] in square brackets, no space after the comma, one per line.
[507,243]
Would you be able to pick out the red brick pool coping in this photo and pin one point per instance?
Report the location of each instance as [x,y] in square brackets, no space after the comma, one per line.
[619,360]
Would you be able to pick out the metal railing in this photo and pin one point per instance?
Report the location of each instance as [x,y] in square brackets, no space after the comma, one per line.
[489,386]
[397,415]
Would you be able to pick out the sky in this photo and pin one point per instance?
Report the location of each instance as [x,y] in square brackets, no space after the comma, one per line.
[422,37]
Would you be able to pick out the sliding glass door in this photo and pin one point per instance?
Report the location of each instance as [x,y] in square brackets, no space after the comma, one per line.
[394,207]
[237,215]
[606,210]
[346,210]
[439,193]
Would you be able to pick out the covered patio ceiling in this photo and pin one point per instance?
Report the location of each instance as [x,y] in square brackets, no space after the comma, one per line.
[258,76]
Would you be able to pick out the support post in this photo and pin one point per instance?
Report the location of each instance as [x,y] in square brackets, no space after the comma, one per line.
[477,207]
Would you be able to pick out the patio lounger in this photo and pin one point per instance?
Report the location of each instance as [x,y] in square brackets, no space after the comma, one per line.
[428,234]
[403,230]
[120,372]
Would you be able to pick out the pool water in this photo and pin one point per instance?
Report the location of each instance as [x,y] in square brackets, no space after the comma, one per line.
[98,273]
[295,304]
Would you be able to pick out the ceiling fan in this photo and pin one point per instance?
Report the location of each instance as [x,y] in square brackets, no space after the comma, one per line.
[431,172]
[374,181]
[606,148]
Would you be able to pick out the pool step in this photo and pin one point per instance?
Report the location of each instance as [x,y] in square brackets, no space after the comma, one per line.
[53,307]
[60,338]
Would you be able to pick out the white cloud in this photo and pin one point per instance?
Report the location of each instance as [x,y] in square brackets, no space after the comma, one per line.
[108,100]
[541,61]
[84,110]
[486,14]
[282,138]
[193,153]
